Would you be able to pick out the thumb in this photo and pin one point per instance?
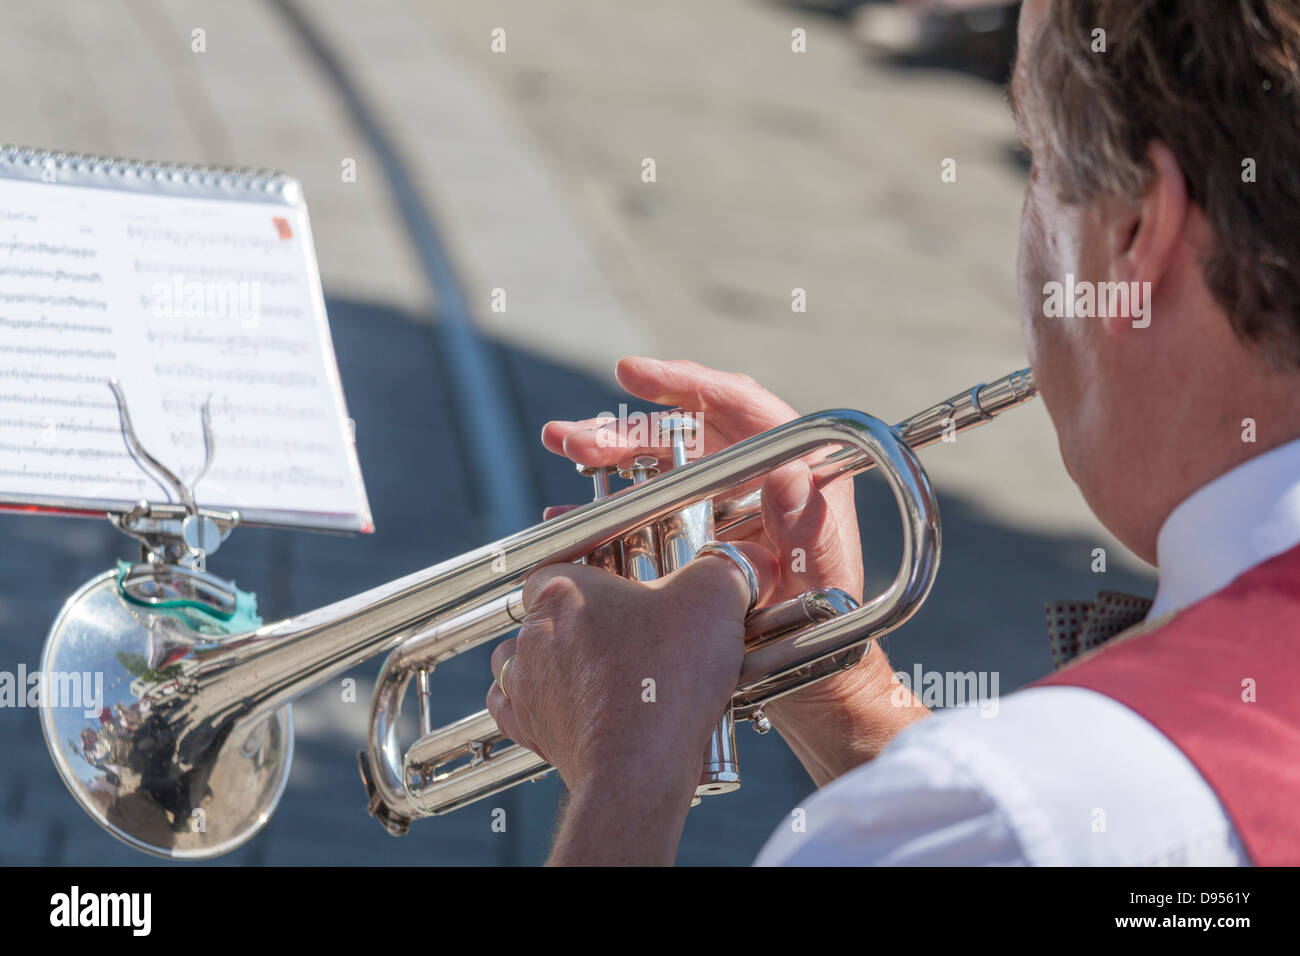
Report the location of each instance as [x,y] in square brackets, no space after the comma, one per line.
[712,575]
[807,537]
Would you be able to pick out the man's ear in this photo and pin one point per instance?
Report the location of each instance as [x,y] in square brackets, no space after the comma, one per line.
[1147,235]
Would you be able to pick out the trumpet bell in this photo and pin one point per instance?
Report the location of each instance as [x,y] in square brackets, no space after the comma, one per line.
[115,710]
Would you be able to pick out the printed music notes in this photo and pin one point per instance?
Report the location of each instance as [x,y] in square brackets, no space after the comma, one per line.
[181,283]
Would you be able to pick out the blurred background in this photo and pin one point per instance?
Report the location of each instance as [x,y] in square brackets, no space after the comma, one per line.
[522,170]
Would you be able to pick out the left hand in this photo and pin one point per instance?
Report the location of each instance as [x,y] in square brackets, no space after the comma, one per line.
[618,683]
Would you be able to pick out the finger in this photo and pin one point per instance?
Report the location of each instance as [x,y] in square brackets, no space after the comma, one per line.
[562,578]
[618,443]
[765,565]
[502,653]
[806,533]
[734,406]
[554,432]
[502,711]
[716,574]
[608,441]
[747,406]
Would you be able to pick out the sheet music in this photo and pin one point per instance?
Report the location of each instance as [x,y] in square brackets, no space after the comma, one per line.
[178,298]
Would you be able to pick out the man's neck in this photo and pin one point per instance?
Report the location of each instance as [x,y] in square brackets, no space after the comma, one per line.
[1240,518]
[1221,412]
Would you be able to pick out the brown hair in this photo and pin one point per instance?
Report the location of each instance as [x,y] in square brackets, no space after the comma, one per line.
[1218,81]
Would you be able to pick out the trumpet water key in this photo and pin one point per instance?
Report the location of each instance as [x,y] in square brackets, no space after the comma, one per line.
[191,750]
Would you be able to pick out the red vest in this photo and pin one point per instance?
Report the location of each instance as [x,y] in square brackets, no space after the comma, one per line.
[1221,680]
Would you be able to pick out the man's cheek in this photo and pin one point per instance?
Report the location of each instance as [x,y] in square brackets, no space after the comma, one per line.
[1031,269]
[1038,270]
[1032,320]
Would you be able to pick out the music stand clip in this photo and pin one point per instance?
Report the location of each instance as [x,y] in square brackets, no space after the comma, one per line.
[175,538]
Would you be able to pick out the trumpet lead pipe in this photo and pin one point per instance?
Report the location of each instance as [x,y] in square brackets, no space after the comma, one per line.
[462,633]
[965,410]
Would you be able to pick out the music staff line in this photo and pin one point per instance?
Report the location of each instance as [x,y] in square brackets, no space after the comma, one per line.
[244,345]
[290,476]
[52,275]
[193,271]
[43,324]
[240,376]
[46,351]
[56,301]
[196,241]
[42,248]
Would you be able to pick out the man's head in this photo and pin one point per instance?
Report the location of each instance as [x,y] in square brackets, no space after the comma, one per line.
[1159,266]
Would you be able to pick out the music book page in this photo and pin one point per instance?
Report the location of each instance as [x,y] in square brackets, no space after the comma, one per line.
[178,297]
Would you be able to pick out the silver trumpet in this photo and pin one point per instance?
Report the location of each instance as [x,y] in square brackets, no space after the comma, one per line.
[191,750]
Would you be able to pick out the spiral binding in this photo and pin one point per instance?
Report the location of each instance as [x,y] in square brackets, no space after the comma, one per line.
[228,177]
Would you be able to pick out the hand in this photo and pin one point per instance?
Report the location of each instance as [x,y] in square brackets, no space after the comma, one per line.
[618,685]
[841,721]
[814,533]
[606,673]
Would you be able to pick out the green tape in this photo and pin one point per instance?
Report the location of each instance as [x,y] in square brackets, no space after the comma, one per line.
[199,617]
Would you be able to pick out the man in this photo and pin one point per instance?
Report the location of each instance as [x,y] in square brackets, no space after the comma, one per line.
[1168,160]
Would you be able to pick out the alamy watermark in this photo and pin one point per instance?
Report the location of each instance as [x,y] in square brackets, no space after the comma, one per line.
[60,689]
[628,429]
[1072,299]
[75,908]
[947,689]
[181,298]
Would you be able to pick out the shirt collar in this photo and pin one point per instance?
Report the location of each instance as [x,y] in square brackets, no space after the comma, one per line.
[1225,528]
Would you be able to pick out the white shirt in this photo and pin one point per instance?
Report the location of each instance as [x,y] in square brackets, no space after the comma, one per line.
[1061,775]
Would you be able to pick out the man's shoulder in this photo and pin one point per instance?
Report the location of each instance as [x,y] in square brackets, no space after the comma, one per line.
[1083,779]
[1217,679]
[1252,621]
[1052,776]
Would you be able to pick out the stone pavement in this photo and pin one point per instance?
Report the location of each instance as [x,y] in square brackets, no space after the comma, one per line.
[775,170]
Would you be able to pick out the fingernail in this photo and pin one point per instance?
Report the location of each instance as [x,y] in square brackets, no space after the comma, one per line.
[792,494]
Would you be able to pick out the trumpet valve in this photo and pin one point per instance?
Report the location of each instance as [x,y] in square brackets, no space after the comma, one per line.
[642,468]
[606,556]
[677,428]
